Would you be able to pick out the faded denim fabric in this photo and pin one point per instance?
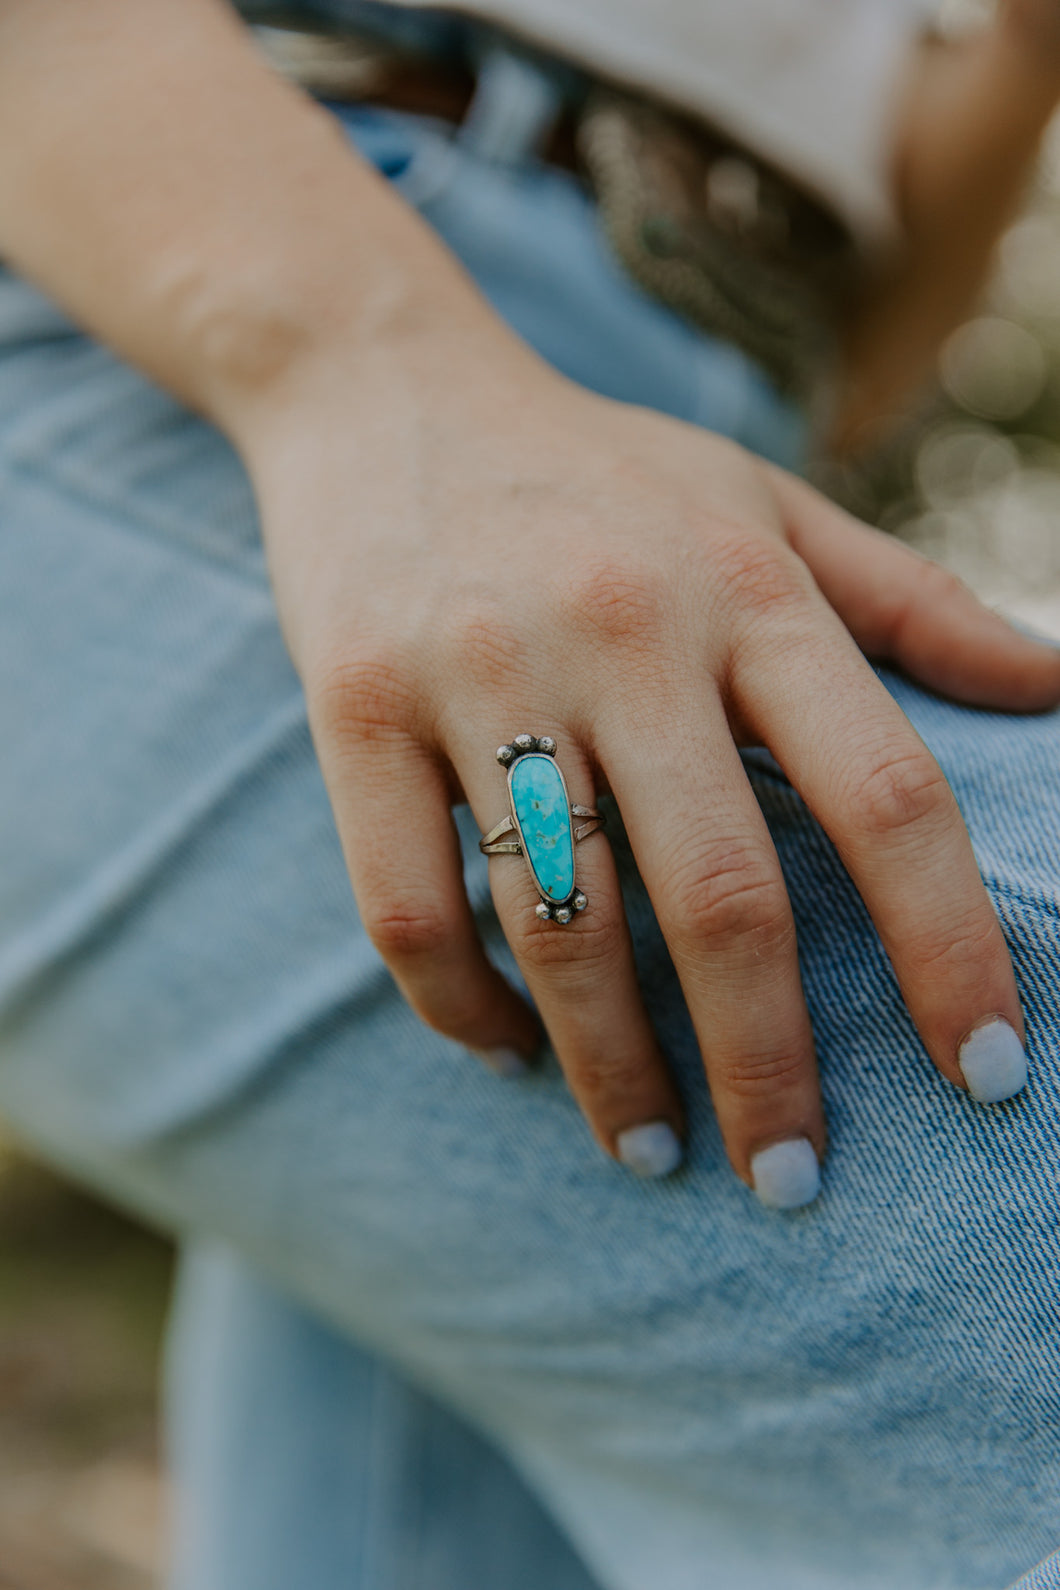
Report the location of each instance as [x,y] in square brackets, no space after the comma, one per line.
[699,1392]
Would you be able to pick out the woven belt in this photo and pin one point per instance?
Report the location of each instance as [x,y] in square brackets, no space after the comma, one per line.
[721,237]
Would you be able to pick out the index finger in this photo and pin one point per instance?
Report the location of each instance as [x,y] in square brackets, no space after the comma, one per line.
[901,607]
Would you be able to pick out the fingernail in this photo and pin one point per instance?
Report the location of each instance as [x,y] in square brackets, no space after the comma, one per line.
[993,1061]
[503,1061]
[651,1150]
[786,1175]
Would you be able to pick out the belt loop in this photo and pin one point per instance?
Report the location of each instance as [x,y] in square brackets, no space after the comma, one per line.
[515,107]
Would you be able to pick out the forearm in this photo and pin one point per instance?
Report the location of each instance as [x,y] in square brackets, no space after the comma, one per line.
[969,127]
[197,213]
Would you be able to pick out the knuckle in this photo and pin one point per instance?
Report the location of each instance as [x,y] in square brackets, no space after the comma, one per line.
[619,602]
[455,1013]
[567,956]
[759,576]
[937,585]
[901,792]
[484,646]
[748,1076]
[730,892]
[411,932]
[969,949]
[599,1078]
[365,695]
[936,588]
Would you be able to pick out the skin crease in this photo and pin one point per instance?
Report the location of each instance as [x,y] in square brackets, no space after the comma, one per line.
[211,225]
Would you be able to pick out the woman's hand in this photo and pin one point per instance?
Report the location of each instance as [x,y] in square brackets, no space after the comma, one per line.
[465,552]
[464,546]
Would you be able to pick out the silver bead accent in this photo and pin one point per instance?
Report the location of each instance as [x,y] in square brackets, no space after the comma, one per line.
[544,911]
[523,743]
[563,914]
[547,744]
[579,901]
[505,755]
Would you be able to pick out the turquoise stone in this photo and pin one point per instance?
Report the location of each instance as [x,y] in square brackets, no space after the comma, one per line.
[542,812]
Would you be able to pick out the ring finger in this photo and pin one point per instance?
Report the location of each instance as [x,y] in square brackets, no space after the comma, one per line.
[581,973]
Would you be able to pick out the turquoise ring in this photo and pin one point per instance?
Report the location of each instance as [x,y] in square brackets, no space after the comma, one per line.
[541,818]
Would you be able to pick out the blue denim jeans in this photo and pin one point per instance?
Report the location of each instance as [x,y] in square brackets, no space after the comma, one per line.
[429,1338]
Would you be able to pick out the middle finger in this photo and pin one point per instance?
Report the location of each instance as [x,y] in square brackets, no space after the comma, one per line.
[711,869]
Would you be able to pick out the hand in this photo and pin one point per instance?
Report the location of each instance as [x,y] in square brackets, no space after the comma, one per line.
[463,545]
[460,559]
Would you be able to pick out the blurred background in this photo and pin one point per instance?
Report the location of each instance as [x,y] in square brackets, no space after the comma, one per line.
[971,477]
[82,1298]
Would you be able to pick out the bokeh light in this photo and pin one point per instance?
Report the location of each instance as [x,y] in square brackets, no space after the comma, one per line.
[972,477]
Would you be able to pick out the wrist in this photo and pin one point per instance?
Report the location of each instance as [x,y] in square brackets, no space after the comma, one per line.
[359,287]
[393,371]
[275,370]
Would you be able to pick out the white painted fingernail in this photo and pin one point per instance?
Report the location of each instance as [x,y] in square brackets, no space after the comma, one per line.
[993,1062]
[786,1175]
[651,1150]
[503,1061]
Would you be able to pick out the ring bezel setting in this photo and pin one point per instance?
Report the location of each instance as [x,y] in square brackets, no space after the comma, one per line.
[541,817]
